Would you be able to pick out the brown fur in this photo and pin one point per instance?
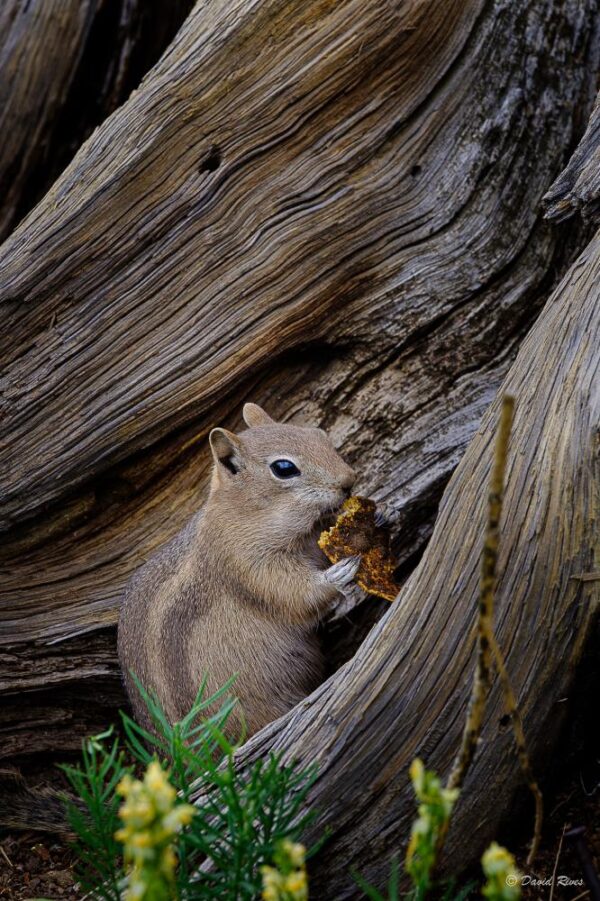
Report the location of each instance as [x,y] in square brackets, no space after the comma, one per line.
[242,587]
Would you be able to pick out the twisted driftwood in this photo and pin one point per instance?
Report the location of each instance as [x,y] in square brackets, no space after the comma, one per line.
[578,188]
[405,692]
[64,66]
[334,209]
[330,208]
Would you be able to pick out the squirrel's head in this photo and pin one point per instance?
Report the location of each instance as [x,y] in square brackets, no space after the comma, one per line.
[291,473]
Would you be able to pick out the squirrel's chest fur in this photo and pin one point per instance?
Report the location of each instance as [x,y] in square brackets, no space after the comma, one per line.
[186,617]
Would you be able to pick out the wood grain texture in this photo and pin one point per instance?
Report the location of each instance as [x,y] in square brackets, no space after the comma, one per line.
[64,66]
[577,189]
[332,209]
[404,694]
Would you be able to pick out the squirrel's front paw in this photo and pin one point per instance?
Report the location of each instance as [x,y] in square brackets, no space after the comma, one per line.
[381,520]
[341,574]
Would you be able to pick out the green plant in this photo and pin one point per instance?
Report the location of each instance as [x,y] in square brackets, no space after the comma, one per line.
[152,819]
[435,807]
[393,888]
[286,880]
[447,892]
[95,820]
[240,817]
[503,880]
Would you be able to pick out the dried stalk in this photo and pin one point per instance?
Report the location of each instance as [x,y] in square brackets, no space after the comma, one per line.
[488,648]
[517,724]
[489,560]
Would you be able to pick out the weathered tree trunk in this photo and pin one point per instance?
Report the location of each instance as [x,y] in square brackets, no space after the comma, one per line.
[577,189]
[64,66]
[404,694]
[332,208]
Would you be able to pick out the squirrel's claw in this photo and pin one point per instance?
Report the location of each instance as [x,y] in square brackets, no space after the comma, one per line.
[341,574]
[381,519]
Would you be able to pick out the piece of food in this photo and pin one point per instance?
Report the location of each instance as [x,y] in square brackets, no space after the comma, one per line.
[356,532]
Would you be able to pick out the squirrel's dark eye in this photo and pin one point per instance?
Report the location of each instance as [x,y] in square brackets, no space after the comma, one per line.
[284,469]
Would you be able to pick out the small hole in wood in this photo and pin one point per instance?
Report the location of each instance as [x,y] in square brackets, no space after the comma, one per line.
[415,170]
[212,162]
[504,721]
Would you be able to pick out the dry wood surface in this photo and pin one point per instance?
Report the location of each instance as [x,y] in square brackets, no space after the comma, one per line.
[64,66]
[405,692]
[333,209]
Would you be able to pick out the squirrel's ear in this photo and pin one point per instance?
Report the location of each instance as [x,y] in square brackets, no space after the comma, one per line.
[255,415]
[226,449]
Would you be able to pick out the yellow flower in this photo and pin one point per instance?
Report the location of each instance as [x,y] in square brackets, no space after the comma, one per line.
[152,818]
[157,783]
[141,840]
[124,786]
[434,809]
[295,882]
[503,880]
[271,877]
[287,881]
[417,773]
[169,858]
[294,851]
[181,815]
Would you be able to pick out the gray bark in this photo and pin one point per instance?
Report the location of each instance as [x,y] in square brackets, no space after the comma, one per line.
[404,694]
[331,209]
[64,66]
[577,190]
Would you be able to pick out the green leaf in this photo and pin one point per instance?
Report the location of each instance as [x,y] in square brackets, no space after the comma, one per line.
[239,821]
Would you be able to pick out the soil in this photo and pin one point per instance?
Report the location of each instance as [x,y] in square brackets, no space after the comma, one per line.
[34,866]
[558,866]
[572,801]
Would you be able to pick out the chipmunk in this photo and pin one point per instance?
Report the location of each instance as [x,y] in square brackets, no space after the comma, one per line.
[241,589]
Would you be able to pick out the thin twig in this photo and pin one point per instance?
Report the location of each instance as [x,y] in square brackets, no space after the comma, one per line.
[560,844]
[489,560]
[489,650]
[517,724]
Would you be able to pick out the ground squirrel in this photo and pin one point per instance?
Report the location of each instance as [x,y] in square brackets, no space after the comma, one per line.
[243,586]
